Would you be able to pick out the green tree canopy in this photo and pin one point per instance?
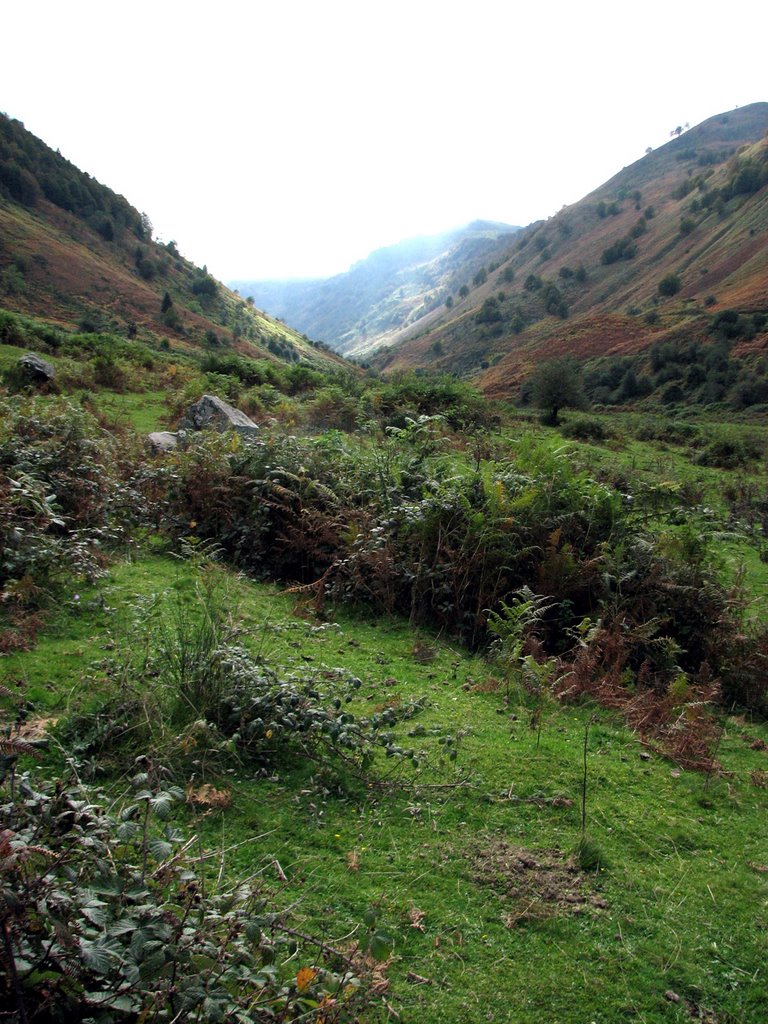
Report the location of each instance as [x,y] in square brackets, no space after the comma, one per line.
[557,385]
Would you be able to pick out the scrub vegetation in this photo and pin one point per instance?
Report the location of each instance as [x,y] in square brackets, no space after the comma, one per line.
[407,704]
[410,706]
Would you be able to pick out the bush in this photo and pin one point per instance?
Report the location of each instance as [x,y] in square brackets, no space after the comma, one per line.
[669,285]
[108,918]
[729,453]
[584,429]
[623,249]
[64,498]
[489,312]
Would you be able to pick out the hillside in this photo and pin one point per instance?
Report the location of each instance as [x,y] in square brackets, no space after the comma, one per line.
[74,253]
[385,296]
[587,280]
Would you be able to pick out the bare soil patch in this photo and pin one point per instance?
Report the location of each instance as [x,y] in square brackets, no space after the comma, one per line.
[534,884]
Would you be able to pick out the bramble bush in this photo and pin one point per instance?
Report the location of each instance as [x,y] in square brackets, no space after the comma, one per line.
[107,917]
[66,498]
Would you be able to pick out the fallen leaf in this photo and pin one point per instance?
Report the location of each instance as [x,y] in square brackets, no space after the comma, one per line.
[208,796]
[353,860]
[416,917]
[304,978]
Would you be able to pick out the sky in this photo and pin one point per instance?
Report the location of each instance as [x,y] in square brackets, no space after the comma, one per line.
[291,138]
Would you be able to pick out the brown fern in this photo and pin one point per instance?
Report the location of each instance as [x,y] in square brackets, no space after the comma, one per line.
[14,746]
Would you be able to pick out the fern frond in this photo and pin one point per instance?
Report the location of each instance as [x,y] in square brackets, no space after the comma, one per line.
[14,746]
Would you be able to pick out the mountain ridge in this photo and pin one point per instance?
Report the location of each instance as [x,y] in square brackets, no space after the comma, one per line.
[587,280]
[384,293]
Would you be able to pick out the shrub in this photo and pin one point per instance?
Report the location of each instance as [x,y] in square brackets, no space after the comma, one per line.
[669,285]
[623,249]
[489,312]
[64,498]
[729,453]
[108,918]
[584,429]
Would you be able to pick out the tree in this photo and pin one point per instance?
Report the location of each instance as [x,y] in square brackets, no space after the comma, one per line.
[489,312]
[557,385]
[669,285]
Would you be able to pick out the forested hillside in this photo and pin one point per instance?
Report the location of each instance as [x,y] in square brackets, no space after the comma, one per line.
[381,298]
[74,252]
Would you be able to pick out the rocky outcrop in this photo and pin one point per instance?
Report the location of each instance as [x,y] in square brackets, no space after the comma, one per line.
[36,370]
[211,413]
[163,441]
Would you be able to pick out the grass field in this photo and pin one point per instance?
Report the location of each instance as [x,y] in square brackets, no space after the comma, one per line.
[470,861]
[539,861]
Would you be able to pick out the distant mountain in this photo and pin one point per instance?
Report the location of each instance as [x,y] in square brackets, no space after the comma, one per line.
[75,253]
[381,298]
[655,253]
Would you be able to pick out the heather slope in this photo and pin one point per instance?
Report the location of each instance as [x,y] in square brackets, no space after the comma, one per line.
[587,280]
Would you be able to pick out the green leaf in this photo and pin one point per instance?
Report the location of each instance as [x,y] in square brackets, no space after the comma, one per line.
[95,957]
[380,945]
[370,917]
[160,849]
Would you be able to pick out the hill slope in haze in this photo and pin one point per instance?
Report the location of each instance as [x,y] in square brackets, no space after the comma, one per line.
[75,253]
[588,281]
[381,298]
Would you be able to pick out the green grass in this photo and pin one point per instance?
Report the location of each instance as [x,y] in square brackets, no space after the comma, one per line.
[144,411]
[685,904]
[10,355]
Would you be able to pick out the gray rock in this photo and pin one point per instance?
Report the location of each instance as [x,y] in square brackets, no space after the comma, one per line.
[35,369]
[212,413]
[162,441]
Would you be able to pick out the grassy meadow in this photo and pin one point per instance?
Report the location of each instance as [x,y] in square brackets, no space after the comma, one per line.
[462,818]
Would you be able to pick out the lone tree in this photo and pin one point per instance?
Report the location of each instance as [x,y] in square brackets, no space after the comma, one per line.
[669,285]
[557,385]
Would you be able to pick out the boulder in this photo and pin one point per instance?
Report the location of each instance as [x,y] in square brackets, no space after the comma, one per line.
[36,370]
[163,440]
[212,413]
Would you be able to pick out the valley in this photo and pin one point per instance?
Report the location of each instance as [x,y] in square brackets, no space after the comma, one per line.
[439,692]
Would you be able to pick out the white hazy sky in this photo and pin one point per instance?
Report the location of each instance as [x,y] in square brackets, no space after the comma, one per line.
[278,138]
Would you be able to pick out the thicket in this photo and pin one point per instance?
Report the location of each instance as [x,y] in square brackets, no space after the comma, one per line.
[108,916]
[408,526]
[687,372]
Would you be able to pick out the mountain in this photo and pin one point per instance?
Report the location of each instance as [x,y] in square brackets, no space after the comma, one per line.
[382,298]
[74,253]
[659,252]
